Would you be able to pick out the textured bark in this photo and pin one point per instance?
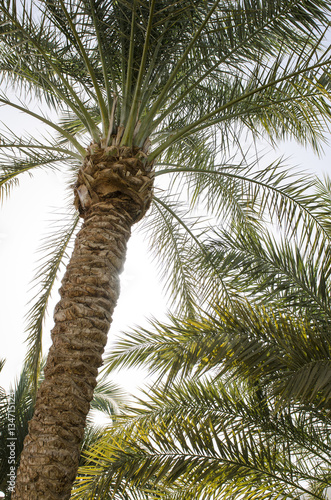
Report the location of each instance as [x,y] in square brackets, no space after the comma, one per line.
[110,200]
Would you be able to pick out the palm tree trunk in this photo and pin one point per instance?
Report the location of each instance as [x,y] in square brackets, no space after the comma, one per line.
[89,292]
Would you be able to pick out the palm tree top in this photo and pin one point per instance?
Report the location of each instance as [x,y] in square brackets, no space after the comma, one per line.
[131,72]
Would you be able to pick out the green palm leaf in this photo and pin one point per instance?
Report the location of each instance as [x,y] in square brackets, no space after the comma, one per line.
[55,252]
[25,156]
[291,355]
[16,409]
[212,437]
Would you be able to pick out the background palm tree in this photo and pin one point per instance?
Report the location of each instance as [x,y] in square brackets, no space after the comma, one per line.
[142,90]
[16,409]
[244,406]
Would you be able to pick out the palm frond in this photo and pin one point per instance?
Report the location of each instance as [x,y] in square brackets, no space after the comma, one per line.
[55,252]
[205,44]
[163,349]
[40,117]
[281,101]
[38,69]
[242,34]
[212,437]
[294,275]
[16,409]
[25,155]
[255,343]
[172,234]
[108,398]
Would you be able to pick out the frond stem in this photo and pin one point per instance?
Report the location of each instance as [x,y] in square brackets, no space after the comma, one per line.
[158,103]
[131,122]
[62,131]
[102,104]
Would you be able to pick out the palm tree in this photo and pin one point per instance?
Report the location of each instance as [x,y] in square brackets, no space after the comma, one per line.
[245,411]
[141,89]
